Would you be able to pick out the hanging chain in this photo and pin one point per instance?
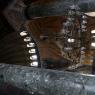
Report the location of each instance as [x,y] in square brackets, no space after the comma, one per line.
[72,35]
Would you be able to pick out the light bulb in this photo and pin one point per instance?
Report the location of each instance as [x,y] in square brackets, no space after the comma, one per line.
[71,40]
[32,51]
[33,57]
[84,17]
[27,39]
[23,33]
[93,44]
[30,45]
[93,31]
[92,14]
[35,63]
[84,22]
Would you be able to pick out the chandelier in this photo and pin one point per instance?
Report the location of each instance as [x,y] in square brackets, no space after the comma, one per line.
[72,35]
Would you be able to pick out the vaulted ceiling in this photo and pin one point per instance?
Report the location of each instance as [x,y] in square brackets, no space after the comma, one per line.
[54,24]
[48,26]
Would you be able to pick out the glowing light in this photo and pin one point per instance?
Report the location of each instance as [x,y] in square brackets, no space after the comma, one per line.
[84,17]
[30,45]
[71,40]
[84,22]
[33,57]
[35,64]
[93,31]
[32,51]
[90,14]
[93,44]
[23,33]
[27,39]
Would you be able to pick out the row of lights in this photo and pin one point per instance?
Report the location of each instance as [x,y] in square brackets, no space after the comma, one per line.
[83,28]
[32,50]
[72,40]
[67,25]
[93,43]
[83,23]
